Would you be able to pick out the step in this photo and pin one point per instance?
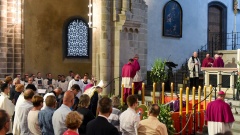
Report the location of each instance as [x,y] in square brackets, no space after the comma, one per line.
[236,125]
[235,131]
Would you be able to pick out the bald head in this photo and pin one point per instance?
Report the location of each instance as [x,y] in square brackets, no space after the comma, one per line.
[68,98]
[216,56]
[207,55]
[28,94]
[58,91]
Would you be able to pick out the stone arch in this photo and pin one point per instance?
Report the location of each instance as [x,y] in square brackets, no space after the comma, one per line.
[131,30]
[125,29]
[136,30]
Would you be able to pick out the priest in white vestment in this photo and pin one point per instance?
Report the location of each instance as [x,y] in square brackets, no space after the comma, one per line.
[5,103]
[194,65]
[77,81]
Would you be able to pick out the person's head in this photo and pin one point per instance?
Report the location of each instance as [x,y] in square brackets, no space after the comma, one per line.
[195,54]
[49,76]
[105,106]
[28,94]
[132,101]
[221,94]
[32,87]
[8,80]
[84,101]
[5,88]
[59,77]
[39,74]
[16,81]
[70,72]
[85,78]
[216,56]
[73,120]
[77,77]
[68,98]
[99,89]
[37,101]
[51,101]
[136,56]
[207,55]
[30,80]
[220,54]
[18,76]
[19,87]
[4,121]
[63,78]
[130,60]
[26,77]
[115,101]
[154,110]
[75,89]
[58,91]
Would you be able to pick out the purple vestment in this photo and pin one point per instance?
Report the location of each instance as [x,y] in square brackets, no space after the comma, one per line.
[218,62]
[207,62]
[219,111]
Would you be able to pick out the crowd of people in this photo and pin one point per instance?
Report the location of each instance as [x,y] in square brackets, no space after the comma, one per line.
[69,106]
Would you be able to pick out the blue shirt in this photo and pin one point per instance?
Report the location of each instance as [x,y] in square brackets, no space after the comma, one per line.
[45,120]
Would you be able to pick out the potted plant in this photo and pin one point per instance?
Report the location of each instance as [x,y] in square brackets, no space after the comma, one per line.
[158,73]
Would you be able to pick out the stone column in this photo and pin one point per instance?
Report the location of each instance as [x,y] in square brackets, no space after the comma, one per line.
[105,45]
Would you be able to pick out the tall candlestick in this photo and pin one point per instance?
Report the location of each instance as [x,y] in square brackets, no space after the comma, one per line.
[210,96]
[193,98]
[132,88]
[122,94]
[187,100]
[143,93]
[163,93]
[205,102]
[199,98]
[171,91]
[154,89]
[180,102]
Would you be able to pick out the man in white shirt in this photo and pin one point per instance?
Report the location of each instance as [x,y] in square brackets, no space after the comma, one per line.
[39,81]
[70,77]
[129,119]
[63,84]
[76,80]
[59,116]
[49,83]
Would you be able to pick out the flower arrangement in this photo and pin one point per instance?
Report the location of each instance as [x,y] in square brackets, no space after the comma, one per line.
[165,118]
[158,73]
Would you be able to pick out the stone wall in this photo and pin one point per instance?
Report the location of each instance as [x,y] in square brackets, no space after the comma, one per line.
[44,22]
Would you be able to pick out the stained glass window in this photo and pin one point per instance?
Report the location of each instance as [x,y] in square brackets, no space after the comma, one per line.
[77,39]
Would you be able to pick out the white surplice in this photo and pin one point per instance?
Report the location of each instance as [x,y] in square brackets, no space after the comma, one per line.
[218,127]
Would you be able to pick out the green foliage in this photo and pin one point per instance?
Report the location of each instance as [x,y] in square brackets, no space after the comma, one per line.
[158,73]
[165,118]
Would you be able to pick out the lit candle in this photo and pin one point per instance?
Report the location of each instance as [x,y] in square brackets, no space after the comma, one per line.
[171,91]
[193,98]
[122,94]
[143,93]
[132,88]
[210,96]
[180,102]
[187,100]
[205,102]
[154,89]
[163,93]
[199,98]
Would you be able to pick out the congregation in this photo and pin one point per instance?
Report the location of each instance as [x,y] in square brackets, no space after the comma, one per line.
[70,106]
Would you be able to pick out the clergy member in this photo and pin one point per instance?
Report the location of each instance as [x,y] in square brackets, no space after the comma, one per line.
[137,78]
[208,61]
[128,73]
[49,83]
[5,103]
[218,61]
[219,115]
[76,80]
[194,68]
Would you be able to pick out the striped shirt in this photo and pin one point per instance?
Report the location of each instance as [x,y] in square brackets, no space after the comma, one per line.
[114,118]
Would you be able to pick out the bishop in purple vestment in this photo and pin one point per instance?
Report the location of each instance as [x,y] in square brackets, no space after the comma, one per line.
[219,115]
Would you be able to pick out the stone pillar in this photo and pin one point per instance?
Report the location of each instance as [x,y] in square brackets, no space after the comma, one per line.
[105,45]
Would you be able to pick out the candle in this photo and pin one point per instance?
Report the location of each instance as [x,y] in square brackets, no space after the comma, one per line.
[210,96]
[162,93]
[187,100]
[171,91]
[132,88]
[143,93]
[199,98]
[193,98]
[154,89]
[122,94]
[205,102]
[180,102]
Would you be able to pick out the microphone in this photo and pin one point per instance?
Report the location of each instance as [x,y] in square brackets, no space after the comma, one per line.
[168,57]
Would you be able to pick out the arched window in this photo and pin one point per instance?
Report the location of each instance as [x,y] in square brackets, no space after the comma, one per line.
[76,38]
